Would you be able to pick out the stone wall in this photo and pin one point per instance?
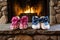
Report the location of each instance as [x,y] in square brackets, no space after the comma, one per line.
[27,37]
[54,12]
[3,11]
[29,34]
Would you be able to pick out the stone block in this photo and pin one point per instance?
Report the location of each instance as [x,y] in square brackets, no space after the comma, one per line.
[52,20]
[10,38]
[3,3]
[52,11]
[58,18]
[58,37]
[53,37]
[4,8]
[3,37]
[23,37]
[40,37]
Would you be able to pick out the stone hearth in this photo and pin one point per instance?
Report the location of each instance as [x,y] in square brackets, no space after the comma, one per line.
[29,34]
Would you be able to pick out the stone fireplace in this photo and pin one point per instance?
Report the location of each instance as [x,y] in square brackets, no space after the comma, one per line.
[27,7]
[29,34]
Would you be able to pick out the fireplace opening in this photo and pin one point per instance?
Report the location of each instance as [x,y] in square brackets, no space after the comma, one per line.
[27,7]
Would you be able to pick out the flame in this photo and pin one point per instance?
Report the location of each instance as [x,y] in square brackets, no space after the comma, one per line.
[18,10]
[29,10]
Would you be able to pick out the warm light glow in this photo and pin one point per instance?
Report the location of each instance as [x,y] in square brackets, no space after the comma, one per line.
[18,10]
[29,10]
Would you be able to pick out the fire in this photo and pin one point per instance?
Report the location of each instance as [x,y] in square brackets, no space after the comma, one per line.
[18,10]
[29,10]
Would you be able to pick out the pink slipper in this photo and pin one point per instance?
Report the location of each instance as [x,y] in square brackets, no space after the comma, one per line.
[23,22]
[14,24]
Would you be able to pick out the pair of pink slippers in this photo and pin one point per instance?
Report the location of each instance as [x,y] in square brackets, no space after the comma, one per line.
[18,22]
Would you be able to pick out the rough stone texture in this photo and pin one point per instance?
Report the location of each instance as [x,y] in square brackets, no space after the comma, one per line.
[58,18]
[23,37]
[4,8]
[3,37]
[54,11]
[52,20]
[29,37]
[58,37]
[40,37]
[11,39]
[53,37]
[3,3]
[29,34]
[1,0]
[3,12]
[57,9]
[3,20]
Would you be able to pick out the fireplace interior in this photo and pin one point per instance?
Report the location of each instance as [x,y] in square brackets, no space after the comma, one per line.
[27,7]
